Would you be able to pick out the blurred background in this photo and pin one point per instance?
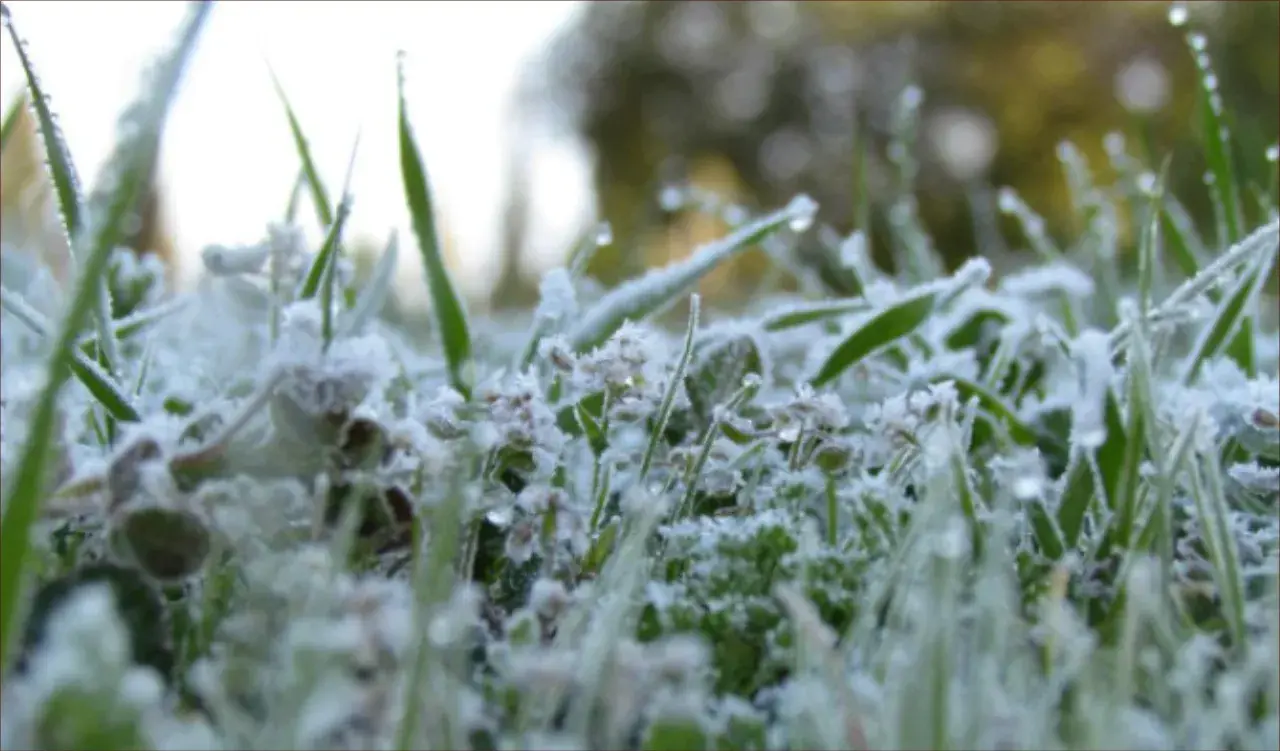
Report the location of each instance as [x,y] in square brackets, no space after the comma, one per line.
[537,120]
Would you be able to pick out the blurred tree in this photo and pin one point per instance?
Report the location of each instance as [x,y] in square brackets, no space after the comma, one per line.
[781,96]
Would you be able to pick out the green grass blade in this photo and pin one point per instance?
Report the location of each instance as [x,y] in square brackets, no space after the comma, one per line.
[319,197]
[813,313]
[11,116]
[450,314]
[326,269]
[62,172]
[1224,556]
[585,249]
[1125,500]
[376,290]
[295,197]
[1180,238]
[652,293]
[1217,144]
[99,383]
[323,272]
[884,328]
[66,188]
[669,398]
[1230,315]
[995,408]
[1147,243]
[126,173]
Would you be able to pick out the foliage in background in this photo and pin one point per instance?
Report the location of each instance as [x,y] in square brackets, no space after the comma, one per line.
[759,101]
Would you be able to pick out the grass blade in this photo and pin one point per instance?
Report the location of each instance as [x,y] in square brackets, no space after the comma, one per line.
[295,197]
[813,313]
[99,383]
[319,197]
[1231,314]
[1217,144]
[66,188]
[1220,541]
[126,173]
[995,408]
[1147,243]
[884,328]
[11,117]
[1180,239]
[1261,240]
[62,172]
[451,316]
[655,291]
[669,398]
[375,292]
[322,274]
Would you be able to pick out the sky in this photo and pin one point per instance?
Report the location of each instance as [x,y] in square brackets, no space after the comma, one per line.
[228,160]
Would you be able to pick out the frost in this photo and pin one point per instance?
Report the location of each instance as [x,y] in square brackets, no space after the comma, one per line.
[1034,283]
[1093,356]
[339,550]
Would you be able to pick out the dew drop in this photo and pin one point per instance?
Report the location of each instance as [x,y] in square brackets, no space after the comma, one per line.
[734,215]
[604,234]
[912,97]
[1197,41]
[1113,143]
[1147,183]
[671,198]
[1007,200]
[1178,15]
[802,211]
[1273,153]
[499,517]
[1027,488]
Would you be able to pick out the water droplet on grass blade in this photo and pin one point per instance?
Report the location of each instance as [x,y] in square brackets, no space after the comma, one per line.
[604,234]
[1007,200]
[671,198]
[802,211]
[1178,15]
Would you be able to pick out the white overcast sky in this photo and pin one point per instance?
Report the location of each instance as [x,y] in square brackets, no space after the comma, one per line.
[228,160]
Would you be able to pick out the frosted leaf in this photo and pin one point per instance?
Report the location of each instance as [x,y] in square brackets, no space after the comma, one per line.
[1035,281]
[222,260]
[1093,355]
[973,273]
[549,598]
[557,298]
[853,251]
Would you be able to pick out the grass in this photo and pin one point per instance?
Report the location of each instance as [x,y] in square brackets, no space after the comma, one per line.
[949,511]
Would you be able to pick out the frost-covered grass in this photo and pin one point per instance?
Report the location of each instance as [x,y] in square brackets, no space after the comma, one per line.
[1040,511]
